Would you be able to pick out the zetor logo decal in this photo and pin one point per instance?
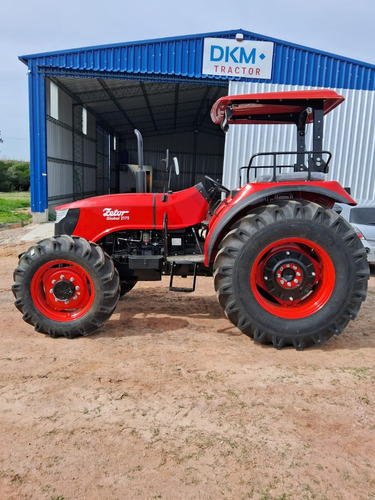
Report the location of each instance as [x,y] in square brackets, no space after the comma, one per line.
[114,214]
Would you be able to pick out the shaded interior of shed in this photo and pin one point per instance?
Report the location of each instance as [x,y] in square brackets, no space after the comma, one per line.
[169,115]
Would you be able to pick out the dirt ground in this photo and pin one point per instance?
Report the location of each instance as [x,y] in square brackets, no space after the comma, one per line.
[169,401]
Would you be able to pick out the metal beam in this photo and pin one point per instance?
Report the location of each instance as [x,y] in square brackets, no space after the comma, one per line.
[38,139]
[115,102]
[147,100]
[77,100]
[94,96]
[176,96]
[200,106]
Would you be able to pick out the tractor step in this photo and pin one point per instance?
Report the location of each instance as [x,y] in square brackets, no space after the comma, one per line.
[178,260]
[186,259]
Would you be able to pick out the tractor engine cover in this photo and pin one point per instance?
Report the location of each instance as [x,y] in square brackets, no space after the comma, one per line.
[94,218]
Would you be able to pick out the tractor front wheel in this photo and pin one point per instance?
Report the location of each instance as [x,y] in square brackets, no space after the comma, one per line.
[127,285]
[291,273]
[66,286]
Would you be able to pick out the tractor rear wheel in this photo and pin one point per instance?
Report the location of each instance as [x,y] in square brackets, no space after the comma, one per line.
[291,273]
[66,286]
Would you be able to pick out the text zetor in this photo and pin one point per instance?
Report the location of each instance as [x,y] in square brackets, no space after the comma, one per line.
[287,269]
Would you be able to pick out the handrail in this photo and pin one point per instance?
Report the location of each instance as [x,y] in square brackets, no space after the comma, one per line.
[314,160]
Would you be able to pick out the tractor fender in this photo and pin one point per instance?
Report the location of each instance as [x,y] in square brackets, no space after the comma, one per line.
[322,192]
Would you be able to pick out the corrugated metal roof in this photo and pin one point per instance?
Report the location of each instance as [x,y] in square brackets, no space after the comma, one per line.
[182,57]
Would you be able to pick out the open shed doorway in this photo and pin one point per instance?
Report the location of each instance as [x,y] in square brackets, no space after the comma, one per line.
[169,115]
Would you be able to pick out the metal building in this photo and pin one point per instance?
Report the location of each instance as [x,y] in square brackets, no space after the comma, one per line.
[85,104]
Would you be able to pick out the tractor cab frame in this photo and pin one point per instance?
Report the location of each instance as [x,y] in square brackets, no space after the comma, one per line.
[280,108]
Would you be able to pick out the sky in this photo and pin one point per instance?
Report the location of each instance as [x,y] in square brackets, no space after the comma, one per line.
[343,27]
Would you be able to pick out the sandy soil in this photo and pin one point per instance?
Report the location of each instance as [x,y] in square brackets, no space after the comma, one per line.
[170,401]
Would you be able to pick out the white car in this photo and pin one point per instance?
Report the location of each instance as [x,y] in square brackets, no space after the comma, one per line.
[362,218]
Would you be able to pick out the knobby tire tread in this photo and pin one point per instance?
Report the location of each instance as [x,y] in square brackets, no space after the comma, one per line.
[84,253]
[265,218]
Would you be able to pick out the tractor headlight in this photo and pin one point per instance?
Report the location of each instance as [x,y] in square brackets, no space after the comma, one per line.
[66,220]
[60,214]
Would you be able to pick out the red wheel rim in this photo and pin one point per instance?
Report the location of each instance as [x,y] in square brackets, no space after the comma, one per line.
[293,278]
[62,290]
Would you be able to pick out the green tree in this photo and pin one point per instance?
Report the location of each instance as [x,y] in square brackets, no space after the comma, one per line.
[14,176]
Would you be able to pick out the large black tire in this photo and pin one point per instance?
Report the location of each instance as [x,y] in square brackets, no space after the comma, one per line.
[291,273]
[66,286]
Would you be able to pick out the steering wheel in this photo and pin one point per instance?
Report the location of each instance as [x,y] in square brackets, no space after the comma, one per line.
[216,185]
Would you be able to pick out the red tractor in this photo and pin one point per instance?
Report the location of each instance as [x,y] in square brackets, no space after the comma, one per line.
[288,270]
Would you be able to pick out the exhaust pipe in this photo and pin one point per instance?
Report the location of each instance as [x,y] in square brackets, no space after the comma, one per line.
[140,175]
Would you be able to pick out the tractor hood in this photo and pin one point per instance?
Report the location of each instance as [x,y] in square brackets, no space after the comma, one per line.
[93,218]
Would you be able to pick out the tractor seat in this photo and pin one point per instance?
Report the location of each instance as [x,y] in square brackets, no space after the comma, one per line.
[293,177]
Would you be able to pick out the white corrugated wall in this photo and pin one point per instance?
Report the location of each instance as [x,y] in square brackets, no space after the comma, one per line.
[348,134]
